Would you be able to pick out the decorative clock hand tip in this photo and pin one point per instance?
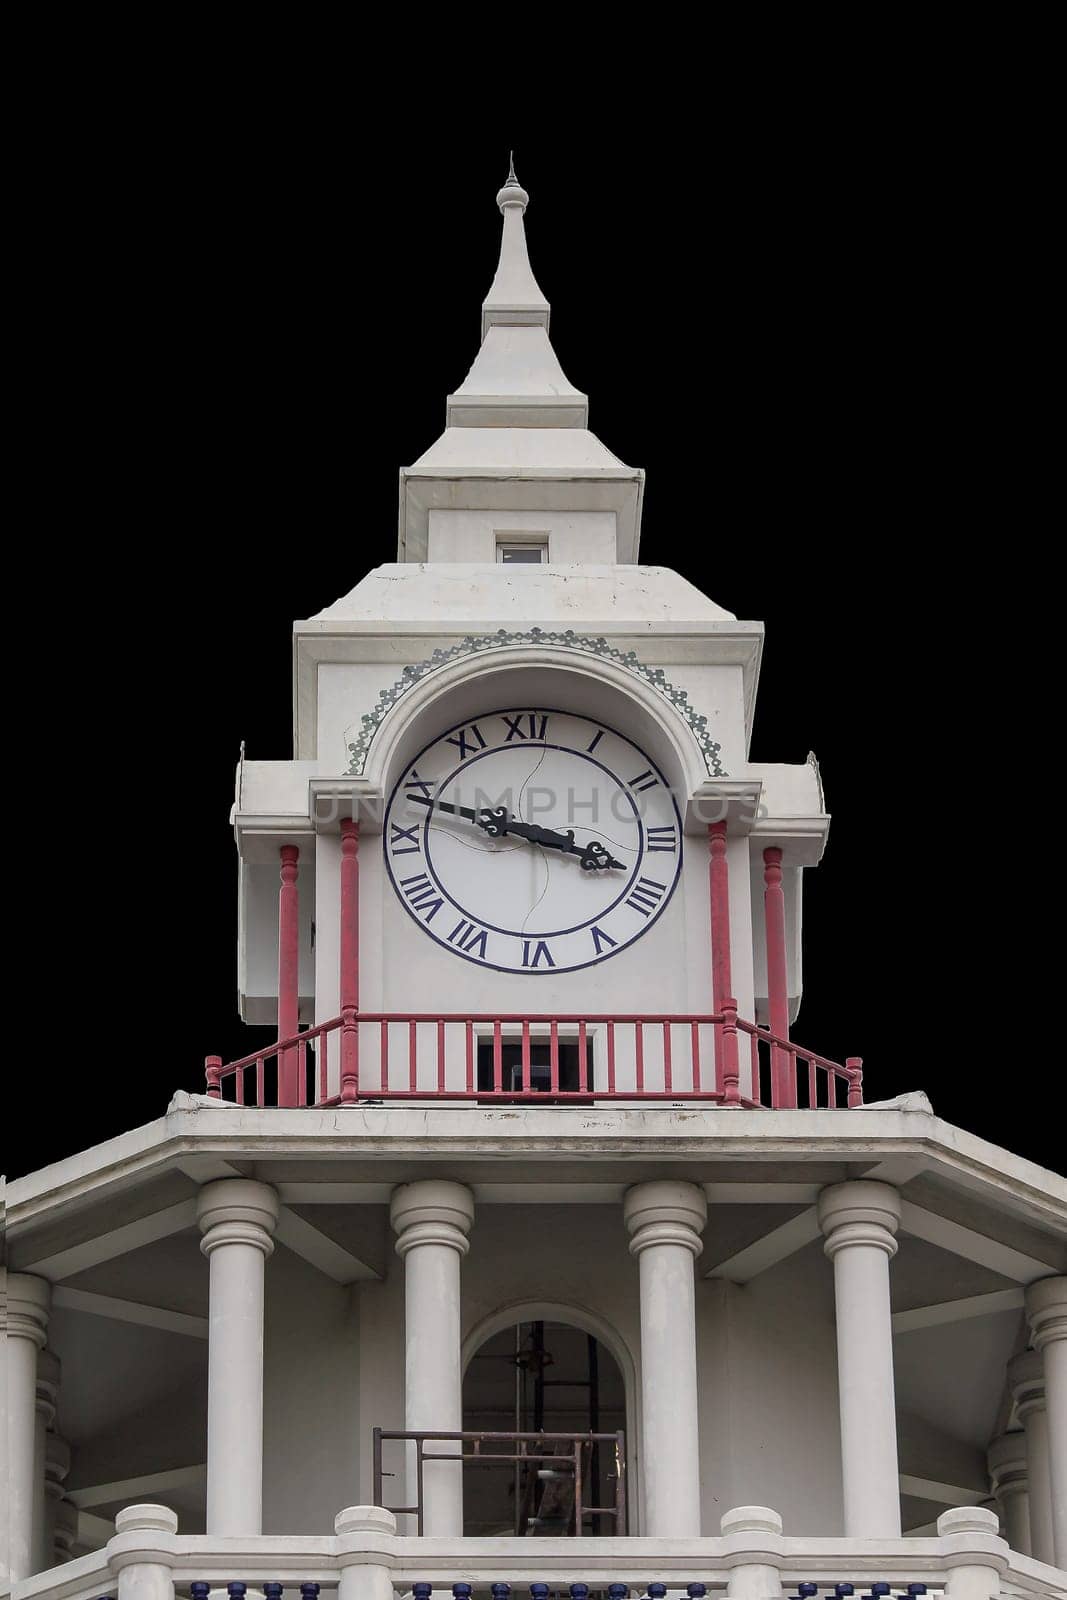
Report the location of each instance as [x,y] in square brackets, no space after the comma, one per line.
[594,855]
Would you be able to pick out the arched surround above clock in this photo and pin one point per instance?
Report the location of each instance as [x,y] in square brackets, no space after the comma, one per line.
[550,675]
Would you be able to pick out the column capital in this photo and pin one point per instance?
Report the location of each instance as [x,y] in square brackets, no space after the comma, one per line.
[432,1211]
[860,1212]
[237,1211]
[1008,1467]
[1046,1311]
[29,1301]
[665,1211]
[1026,1380]
[47,1387]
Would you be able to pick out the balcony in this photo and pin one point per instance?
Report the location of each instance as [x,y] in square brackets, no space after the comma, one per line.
[365,1559]
[716,1059]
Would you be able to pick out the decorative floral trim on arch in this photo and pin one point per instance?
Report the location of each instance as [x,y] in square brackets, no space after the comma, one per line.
[479,642]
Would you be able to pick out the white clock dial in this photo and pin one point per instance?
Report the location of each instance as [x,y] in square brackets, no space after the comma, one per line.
[533,841]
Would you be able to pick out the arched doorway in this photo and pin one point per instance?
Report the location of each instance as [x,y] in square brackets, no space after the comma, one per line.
[555,1378]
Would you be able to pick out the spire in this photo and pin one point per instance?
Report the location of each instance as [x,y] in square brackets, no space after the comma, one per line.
[514,299]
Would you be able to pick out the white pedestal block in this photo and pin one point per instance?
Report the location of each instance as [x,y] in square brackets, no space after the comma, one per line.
[432,1220]
[237,1217]
[1046,1308]
[860,1220]
[665,1220]
[360,1529]
[976,1556]
[140,1552]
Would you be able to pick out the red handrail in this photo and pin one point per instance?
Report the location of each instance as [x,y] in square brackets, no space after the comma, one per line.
[727,1090]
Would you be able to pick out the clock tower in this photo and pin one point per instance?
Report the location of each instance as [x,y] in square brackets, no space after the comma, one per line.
[537,747]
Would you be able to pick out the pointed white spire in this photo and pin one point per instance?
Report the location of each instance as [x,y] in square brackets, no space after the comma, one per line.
[514,298]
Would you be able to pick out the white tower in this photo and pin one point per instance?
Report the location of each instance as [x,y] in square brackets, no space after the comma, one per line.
[535,1168]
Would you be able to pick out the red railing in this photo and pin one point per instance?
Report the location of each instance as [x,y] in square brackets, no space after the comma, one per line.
[376,1056]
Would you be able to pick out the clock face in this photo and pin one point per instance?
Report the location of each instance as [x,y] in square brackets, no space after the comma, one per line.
[533,841]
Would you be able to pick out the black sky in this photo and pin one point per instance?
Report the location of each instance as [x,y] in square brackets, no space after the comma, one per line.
[248,323]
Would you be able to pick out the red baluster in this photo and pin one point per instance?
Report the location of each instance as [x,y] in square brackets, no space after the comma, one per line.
[583,1059]
[783,1069]
[694,1054]
[213,1074]
[349,984]
[731,1072]
[383,1057]
[526,1058]
[667,1075]
[470,1057]
[288,974]
[498,1059]
[611,1058]
[413,1055]
[440,1057]
[553,1057]
[324,1074]
[639,1056]
[854,1068]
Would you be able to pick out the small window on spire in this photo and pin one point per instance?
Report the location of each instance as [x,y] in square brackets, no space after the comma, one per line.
[525,552]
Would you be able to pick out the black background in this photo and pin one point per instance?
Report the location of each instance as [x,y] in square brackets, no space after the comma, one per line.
[803,312]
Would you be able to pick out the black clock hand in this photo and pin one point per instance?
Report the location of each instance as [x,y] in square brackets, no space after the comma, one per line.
[497,822]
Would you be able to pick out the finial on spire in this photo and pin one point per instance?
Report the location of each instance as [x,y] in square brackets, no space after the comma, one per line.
[513,193]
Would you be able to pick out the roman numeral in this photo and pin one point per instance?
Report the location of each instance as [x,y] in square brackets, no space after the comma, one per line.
[469,740]
[647,894]
[541,952]
[535,721]
[402,841]
[415,782]
[422,895]
[600,939]
[662,838]
[644,780]
[596,740]
[466,936]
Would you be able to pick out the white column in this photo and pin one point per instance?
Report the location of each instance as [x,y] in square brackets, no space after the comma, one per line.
[1011,1487]
[56,1468]
[665,1220]
[365,1549]
[432,1220]
[860,1220]
[142,1550]
[1026,1380]
[28,1303]
[1046,1308]
[237,1217]
[66,1531]
[47,1393]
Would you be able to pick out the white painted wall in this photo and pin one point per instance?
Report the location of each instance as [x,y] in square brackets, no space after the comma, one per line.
[468,535]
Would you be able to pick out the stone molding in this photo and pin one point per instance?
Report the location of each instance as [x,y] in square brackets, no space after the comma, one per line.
[861,1212]
[237,1211]
[432,1211]
[665,1211]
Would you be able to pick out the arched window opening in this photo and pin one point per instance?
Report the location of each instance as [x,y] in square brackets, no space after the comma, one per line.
[545,1378]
